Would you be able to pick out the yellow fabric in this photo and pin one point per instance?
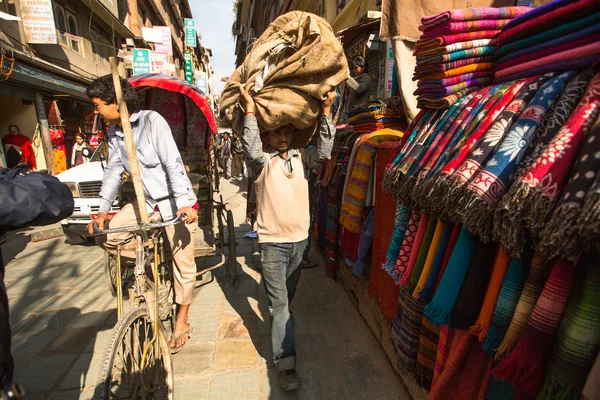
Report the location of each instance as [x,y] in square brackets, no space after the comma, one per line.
[435,242]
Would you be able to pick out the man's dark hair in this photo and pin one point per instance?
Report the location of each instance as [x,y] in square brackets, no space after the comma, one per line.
[104,89]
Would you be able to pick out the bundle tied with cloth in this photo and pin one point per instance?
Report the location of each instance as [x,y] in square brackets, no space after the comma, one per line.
[292,66]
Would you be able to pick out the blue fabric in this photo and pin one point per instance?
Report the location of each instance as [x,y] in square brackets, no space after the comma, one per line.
[553,43]
[364,245]
[438,260]
[402,218]
[438,311]
[280,266]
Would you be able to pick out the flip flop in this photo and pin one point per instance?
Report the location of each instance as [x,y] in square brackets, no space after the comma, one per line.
[188,331]
[305,264]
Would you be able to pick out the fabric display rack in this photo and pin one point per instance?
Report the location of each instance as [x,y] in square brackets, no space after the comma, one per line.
[489,274]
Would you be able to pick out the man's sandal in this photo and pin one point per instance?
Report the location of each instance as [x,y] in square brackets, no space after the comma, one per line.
[188,331]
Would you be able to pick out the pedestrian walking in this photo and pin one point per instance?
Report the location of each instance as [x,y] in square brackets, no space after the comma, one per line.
[167,189]
[238,155]
[283,219]
[77,157]
[226,151]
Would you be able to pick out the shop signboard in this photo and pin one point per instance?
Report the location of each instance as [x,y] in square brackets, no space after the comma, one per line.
[159,63]
[188,67]
[141,61]
[201,83]
[152,35]
[38,21]
[167,44]
[190,32]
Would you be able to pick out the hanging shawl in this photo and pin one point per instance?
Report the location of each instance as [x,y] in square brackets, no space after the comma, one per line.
[524,366]
[578,338]
[538,273]
[490,184]
[589,218]
[414,254]
[427,289]
[400,227]
[460,170]
[428,345]
[561,233]
[407,246]
[443,350]
[431,255]
[508,218]
[421,259]
[410,328]
[510,292]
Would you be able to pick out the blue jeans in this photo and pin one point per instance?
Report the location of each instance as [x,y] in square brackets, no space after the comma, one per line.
[280,264]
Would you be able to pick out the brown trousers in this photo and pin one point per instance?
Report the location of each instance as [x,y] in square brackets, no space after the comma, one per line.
[181,239]
[239,162]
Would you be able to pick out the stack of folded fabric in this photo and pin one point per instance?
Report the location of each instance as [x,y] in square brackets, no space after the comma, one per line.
[455,53]
[559,36]
[379,114]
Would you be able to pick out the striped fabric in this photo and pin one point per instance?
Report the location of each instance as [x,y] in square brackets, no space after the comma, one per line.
[443,350]
[410,330]
[426,357]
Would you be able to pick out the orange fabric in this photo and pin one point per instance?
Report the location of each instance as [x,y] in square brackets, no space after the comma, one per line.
[459,71]
[491,296]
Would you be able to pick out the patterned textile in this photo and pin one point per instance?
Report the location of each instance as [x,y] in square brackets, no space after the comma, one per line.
[416,250]
[445,102]
[57,139]
[426,356]
[431,255]
[589,218]
[536,279]
[561,233]
[435,91]
[569,30]
[460,41]
[471,14]
[476,67]
[572,64]
[472,291]
[424,70]
[455,79]
[507,227]
[523,367]
[491,296]
[364,244]
[410,329]
[461,27]
[456,55]
[490,183]
[354,198]
[400,227]
[381,285]
[537,11]
[578,337]
[514,280]
[426,290]
[424,249]
[407,245]
[438,311]
[443,350]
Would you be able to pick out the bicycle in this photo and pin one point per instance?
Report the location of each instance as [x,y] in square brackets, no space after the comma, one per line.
[137,363]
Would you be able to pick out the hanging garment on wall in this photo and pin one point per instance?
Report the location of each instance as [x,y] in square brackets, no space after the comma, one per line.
[57,137]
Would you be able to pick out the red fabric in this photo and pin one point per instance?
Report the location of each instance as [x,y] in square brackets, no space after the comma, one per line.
[467,372]
[381,284]
[22,142]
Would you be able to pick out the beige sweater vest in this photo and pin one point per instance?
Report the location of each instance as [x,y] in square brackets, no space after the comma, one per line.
[282,202]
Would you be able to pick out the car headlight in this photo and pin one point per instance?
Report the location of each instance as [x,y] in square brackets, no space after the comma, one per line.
[74,188]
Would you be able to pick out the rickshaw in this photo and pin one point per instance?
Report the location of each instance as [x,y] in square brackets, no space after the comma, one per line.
[137,362]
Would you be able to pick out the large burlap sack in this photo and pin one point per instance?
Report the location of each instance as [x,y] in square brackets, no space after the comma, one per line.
[293,64]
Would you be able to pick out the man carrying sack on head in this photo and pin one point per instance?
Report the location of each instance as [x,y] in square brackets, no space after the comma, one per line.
[283,218]
[167,189]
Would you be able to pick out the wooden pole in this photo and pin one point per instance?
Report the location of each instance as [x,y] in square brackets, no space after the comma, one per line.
[129,143]
[40,108]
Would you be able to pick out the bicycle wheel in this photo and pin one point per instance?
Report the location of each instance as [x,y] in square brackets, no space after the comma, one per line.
[231,246]
[120,376]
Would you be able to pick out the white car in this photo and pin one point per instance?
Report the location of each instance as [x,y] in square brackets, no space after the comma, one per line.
[85,182]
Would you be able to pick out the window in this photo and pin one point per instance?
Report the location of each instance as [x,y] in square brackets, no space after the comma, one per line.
[61,23]
[68,34]
[101,47]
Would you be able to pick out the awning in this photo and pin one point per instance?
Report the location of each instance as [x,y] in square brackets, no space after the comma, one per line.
[348,35]
[111,19]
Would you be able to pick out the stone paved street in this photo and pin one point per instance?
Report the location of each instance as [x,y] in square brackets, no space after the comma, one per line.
[62,316]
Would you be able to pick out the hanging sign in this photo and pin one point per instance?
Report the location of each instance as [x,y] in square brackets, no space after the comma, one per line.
[141,61]
[190,32]
[167,44]
[152,35]
[188,68]
[201,83]
[159,63]
[38,21]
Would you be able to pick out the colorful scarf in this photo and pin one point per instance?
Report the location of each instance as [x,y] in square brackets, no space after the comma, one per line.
[400,227]
[453,240]
[460,27]
[441,44]
[566,13]
[438,311]
[355,257]
[422,258]
[510,292]
[354,199]
[414,254]
[410,329]
[569,31]
[456,55]
[508,218]
[435,91]
[472,14]
[443,351]
[578,337]
[426,357]
[490,183]
[445,102]
[431,254]
[561,233]
[575,64]
[536,279]
[407,246]
[472,291]
[455,79]
[425,70]
[537,12]
[523,367]
[426,289]
[476,67]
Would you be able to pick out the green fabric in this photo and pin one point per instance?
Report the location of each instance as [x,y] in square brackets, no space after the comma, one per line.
[578,338]
[547,35]
[423,250]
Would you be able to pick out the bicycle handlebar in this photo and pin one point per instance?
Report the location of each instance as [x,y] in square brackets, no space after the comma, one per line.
[135,228]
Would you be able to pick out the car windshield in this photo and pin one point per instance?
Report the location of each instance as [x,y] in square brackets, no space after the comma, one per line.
[99,153]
